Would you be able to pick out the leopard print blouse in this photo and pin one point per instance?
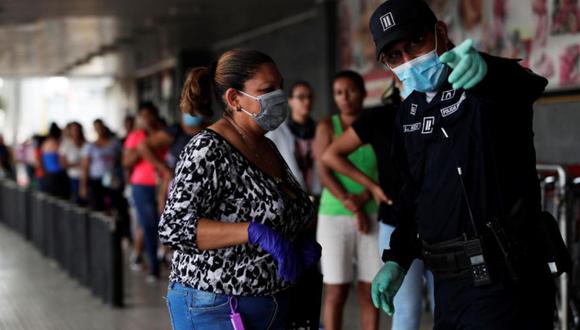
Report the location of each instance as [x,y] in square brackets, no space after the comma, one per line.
[214,180]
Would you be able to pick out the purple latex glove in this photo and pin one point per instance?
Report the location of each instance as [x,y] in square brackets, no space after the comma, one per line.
[289,266]
[309,251]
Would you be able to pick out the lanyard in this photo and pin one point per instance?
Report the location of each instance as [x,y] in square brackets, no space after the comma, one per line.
[235,317]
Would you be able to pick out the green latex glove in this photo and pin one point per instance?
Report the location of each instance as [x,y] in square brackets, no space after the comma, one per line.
[469,68]
[385,285]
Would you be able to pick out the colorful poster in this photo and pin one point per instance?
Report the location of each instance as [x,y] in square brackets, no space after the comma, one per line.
[356,47]
[544,34]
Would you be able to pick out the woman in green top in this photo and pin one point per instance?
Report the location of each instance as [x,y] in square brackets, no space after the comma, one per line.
[347,226]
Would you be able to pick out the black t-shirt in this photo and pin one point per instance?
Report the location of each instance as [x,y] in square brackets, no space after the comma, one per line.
[375,126]
[180,140]
[5,158]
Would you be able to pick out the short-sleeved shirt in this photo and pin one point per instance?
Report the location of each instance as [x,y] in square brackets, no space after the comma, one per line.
[180,140]
[73,154]
[213,180]
[4,158]
[102,159]
[143,172]
[4,155]
[375,127]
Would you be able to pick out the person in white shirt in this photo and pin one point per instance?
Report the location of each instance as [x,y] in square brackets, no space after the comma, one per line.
[295,136]
[71,156]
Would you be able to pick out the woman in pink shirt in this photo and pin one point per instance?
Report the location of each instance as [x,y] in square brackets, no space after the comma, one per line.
[143,181]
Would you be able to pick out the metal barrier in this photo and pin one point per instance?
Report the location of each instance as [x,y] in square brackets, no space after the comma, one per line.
[555,197]
[85,244]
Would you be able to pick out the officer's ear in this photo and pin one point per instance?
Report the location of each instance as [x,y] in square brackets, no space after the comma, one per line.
[442,37]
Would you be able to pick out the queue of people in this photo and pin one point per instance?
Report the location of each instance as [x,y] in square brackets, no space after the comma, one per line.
[119,176]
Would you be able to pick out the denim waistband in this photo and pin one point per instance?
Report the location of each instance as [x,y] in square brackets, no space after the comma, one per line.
[180,286]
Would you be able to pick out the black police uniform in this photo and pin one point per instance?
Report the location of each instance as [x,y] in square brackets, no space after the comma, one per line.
[487,132]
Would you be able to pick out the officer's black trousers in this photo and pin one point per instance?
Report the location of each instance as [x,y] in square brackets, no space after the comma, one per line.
[530,305]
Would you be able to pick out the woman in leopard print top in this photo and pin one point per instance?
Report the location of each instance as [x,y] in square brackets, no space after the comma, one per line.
[228,179]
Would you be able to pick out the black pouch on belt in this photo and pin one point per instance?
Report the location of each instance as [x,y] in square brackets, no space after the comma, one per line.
[457,259]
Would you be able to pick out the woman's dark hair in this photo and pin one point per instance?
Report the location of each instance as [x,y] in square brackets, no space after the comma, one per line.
[54,131]
[196,93]
[130,118]
[149,106]
[356,78]
[80,127]
[298,84]
[231,70]
[106,130]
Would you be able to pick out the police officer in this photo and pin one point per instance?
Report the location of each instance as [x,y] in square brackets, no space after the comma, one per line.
[463,143]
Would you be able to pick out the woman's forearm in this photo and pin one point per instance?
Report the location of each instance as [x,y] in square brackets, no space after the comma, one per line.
[341,164]
[213,234]
[329,181]
[84,172]
[130,158]
[149,155]
[336,157]
[322,140]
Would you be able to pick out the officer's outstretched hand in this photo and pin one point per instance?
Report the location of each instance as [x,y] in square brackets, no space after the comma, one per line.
[385,285]
[469,68]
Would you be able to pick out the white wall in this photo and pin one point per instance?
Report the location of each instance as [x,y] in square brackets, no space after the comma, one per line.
[33,103]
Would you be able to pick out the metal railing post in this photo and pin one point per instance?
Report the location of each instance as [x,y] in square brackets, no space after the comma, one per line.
[560,207]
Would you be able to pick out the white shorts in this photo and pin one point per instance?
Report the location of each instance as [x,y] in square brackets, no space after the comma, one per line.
[344,247]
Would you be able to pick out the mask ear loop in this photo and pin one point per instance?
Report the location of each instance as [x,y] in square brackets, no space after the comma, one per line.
[446,48]
[387,66]
[248,95]
[436,39]
[253,115]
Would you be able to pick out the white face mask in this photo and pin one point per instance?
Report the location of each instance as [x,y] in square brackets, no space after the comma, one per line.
[273,109]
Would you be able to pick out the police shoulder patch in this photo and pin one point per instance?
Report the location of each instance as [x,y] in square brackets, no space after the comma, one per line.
[454,107]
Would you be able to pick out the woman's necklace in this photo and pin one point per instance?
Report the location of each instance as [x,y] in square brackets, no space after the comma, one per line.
[249,145]
[244,137]
[257,155]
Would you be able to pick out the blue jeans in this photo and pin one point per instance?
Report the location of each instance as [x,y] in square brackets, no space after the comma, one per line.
[195,309]
[74,190]
[408,301]
[146,206]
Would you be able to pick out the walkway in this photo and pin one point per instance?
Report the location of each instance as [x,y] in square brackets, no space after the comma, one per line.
[37,295]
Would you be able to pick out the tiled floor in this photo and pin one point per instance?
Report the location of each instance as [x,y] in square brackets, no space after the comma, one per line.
[36,295]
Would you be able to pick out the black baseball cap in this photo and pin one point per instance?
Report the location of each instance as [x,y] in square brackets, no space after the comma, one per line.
[399,19]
